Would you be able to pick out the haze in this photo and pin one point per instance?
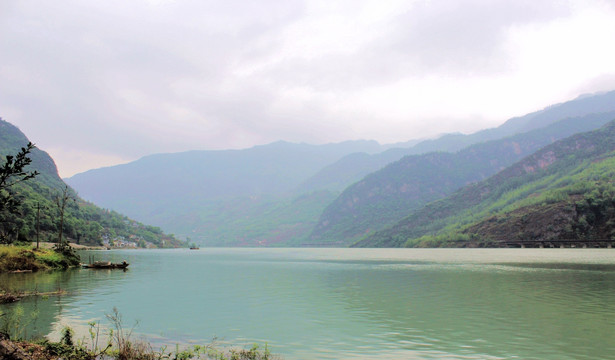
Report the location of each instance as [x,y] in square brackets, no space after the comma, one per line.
[99,83]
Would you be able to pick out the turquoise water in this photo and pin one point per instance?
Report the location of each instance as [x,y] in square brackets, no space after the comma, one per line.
[349,303]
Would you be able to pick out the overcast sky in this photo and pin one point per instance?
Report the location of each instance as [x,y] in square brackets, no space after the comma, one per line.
[97,83]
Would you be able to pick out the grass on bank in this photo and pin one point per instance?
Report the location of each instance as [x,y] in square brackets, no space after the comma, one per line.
[25,258]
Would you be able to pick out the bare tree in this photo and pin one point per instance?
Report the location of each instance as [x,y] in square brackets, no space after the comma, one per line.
[61,201]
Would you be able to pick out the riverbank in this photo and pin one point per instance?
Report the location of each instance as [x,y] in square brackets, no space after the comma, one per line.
[25,259]
[50,245]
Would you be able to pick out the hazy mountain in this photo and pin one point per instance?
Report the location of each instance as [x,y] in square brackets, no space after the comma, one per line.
[386,196]
[582,105]
[83,222]
[354,167]
[350,169]
[564,191]
[217,196]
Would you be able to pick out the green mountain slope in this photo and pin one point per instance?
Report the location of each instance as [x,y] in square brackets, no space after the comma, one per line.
[84,222]
[564,191]
[386,196]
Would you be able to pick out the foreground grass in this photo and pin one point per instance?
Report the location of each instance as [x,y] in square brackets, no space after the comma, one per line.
[113,343]
[25,258]
[45,350]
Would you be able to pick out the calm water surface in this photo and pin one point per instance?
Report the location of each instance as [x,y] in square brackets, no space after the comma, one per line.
[350,303]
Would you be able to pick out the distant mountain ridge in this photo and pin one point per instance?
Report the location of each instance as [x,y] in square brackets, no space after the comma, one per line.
[581,106]
[154,181]
[352,168]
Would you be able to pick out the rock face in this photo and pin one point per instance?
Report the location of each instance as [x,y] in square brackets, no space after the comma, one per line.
[576,219]
[10,350]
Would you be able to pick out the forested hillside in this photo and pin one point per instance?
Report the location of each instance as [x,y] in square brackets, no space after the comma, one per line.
[564,191]
[386,196]
[83,222]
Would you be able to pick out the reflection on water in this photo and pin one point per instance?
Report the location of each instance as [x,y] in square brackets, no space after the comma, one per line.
[351,303]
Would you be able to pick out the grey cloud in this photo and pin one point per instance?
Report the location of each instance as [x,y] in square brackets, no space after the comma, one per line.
[110,74]
[465,36]
[454,38]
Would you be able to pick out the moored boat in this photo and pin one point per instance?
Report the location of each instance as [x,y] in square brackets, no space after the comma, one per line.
[106,265]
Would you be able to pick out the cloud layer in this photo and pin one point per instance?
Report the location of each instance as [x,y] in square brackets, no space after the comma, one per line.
[96,83]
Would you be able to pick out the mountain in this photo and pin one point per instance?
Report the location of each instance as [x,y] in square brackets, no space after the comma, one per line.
[12,139]
[287,194]
[352,168]
[564,191]
[386,196]
[230,197]
[84,222]
[581,106]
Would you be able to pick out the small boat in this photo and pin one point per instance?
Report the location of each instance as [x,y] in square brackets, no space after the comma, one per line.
[106,265]
[194,248]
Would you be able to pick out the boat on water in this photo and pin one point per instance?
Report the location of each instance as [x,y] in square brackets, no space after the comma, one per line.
[106,265]
[194,248]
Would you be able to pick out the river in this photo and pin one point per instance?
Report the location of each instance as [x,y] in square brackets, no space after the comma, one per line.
[347,303]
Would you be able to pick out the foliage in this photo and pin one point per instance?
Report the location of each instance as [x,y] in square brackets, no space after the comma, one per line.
[13,323]
[13,172]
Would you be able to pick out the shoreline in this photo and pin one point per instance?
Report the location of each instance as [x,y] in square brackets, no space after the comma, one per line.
[50,245]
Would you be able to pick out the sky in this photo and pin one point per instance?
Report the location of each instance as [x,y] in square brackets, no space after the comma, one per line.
[98,83]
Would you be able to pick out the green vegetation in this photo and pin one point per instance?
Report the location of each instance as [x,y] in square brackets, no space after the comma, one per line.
[24,258]
[43,208]
[564,191]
